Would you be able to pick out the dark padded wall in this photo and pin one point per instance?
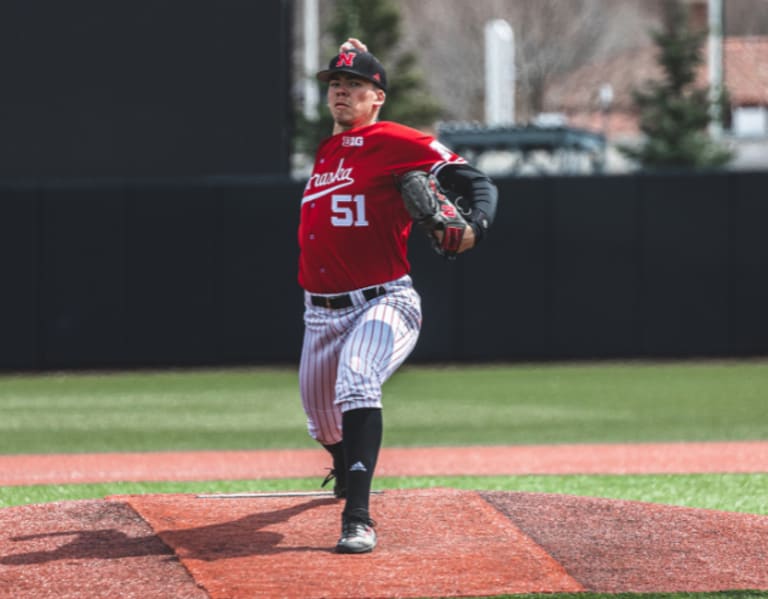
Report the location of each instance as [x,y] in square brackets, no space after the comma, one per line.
[120,88]
[685,262]
[20,324]
[748,249]
[637,266]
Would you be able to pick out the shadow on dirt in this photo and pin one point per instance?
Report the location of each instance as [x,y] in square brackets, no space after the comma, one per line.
[237,538]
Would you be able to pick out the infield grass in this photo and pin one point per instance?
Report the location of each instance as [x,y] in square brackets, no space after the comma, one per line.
[729,492]
[424,406]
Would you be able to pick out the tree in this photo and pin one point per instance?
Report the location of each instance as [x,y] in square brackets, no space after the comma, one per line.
[378,25]
[552,38]
[674,112]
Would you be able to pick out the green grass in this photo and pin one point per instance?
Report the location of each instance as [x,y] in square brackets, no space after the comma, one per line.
[149,411]
[729,492]
[592,403]
[260,408]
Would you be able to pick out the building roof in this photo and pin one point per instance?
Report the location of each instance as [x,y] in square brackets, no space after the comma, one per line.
[577,94]
[746,70]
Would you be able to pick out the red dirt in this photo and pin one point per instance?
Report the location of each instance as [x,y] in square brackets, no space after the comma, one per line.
[648,458]
[282,547]
[88,549]
[433,543]
[628,546]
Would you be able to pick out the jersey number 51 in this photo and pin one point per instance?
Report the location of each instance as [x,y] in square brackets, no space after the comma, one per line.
[348,211]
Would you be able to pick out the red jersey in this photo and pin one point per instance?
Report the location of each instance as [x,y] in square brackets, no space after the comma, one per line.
[354,226]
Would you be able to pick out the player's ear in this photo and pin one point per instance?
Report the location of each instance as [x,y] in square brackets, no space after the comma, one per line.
[381,96]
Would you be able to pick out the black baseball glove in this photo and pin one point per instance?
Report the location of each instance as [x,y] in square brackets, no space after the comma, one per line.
[431,210]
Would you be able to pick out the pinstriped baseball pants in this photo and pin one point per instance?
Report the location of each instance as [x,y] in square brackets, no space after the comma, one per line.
[348,354]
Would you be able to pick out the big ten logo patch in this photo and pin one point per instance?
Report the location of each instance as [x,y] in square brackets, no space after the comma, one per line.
[352,142]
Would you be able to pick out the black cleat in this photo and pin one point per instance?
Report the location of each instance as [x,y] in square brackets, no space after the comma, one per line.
[357,536]
[339,487]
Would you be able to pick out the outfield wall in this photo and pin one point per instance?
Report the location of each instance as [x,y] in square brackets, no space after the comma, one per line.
[95,88]
[202,272]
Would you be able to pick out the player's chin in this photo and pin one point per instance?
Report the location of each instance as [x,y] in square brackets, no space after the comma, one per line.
[345,122]
[341,114]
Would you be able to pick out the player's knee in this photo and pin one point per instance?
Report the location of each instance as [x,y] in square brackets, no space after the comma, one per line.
[325,426]
[326,436]
[347,404]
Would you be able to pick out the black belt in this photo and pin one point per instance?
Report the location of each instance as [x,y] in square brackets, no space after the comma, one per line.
[337,302]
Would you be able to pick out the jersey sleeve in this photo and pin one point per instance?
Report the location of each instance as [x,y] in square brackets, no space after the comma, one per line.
[473,191]
[415,150]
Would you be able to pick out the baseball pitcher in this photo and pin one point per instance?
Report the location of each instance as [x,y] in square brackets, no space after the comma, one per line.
[370,182]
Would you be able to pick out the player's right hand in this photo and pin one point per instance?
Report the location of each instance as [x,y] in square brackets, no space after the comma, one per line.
[353,44]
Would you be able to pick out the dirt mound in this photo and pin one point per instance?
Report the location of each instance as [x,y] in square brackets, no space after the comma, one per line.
[628,546]
[94,548]
[433,543]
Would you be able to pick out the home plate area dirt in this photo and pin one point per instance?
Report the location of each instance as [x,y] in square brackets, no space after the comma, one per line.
[432,543]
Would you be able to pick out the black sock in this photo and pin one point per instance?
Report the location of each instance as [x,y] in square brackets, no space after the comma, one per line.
[362,431]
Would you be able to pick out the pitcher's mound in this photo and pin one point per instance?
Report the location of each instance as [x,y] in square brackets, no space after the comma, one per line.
[432,543]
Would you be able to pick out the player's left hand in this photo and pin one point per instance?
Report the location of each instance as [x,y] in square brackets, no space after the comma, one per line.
[431,210]
[467,240]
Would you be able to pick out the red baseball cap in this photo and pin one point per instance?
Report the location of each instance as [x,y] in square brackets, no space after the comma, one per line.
[354,62]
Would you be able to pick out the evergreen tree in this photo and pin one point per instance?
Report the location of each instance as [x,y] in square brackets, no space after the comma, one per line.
[377,24]
[674,113]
